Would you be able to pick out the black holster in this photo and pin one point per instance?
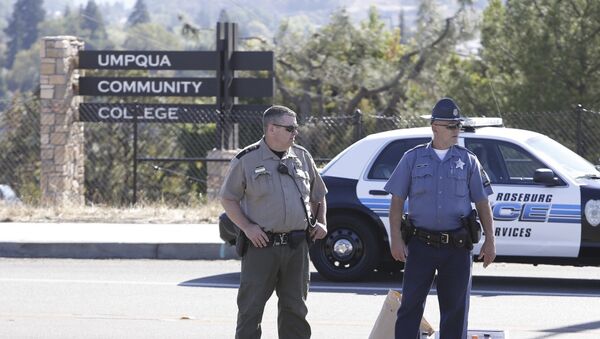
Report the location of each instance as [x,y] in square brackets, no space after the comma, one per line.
[407,229]
[461,238]
[228,231]
[473,227]
[241,244]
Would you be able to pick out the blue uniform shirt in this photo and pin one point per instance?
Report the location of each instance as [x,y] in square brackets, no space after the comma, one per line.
[439,192]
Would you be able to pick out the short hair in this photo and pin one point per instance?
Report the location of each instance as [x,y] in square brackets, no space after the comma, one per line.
[274,113]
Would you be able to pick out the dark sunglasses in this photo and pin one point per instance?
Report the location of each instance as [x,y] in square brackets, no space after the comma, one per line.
[289,128]
[451,127]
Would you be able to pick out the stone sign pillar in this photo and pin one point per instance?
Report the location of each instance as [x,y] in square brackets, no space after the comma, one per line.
[61,134]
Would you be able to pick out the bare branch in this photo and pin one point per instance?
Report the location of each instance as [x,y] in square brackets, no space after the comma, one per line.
[405,60]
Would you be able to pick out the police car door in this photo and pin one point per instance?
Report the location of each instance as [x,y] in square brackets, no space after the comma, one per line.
[530,219]
[369,188]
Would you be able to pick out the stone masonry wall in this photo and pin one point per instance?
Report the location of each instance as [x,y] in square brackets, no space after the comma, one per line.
[62,139]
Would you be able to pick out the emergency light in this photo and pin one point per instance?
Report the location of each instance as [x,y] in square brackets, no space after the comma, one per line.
[482,122]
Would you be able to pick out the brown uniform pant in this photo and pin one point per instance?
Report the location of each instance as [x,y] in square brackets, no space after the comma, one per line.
[264,270]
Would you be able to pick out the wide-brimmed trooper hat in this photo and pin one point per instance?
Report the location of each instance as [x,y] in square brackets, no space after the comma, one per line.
[446,110]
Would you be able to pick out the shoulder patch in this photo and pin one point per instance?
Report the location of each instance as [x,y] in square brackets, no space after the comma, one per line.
[416,149]
[301,150]
[246,151]
[485,178]
[464,149]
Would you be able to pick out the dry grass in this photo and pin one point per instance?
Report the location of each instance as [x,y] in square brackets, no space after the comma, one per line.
[153,214]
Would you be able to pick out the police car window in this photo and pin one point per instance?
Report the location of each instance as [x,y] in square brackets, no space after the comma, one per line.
[489,158]
[520,165]
[569,161]
[387,160]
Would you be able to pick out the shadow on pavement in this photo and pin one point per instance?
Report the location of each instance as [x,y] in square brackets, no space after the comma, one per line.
[486,285]
[561,331]
[378,283]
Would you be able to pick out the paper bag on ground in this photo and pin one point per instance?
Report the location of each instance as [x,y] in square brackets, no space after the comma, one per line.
[386,321]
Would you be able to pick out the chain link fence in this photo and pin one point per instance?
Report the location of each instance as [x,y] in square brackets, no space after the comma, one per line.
[172,158]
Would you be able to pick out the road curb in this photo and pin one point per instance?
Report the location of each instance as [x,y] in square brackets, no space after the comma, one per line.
[113,241]
[178,251]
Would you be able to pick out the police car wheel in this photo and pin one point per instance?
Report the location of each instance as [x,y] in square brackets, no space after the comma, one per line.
[349,252]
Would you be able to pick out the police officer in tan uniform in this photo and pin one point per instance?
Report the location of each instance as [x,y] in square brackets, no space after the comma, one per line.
[271,192]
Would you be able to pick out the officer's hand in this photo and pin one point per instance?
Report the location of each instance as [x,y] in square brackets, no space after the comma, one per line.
[318,232]
[256,235]
[488,252]
[399,250]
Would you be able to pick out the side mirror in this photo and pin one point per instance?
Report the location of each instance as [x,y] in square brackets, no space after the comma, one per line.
[545,176]
[597,167]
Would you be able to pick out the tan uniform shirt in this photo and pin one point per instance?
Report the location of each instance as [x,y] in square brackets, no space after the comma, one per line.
[271,199]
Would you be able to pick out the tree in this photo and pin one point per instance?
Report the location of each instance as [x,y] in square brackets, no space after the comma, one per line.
[93,26]
[24,75]
[544,53]
[92,20]
[22,29]
[68,24]
[139,15]
[20,146]
[538,61]
[151,36]
[339,67]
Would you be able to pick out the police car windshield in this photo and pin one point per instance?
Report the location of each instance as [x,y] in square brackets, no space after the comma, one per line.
[571,162]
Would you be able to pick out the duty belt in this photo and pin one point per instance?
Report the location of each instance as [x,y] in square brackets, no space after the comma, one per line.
[292,238]
[277,239]
[437,239]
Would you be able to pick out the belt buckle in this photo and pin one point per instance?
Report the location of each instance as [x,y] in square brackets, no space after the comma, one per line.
[444,238]
[280,239]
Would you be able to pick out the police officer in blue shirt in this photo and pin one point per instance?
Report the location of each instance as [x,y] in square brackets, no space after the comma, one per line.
[440,179]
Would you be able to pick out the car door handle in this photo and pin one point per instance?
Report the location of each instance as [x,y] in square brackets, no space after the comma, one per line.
[378,192]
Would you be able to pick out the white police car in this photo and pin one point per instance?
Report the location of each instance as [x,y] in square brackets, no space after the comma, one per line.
[546,201]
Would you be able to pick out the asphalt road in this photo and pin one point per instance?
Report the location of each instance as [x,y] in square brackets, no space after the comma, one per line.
[58,298]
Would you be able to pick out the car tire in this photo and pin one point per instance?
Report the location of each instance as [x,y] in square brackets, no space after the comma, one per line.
[349,252]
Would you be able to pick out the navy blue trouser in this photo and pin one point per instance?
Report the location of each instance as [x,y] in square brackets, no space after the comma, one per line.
[453,266]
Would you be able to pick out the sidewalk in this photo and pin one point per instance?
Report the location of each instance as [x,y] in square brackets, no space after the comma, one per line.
[114,241]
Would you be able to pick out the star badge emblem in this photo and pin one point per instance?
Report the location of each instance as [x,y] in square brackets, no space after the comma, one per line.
[459,164]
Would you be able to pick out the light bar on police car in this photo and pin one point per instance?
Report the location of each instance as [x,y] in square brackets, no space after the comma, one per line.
[483,122]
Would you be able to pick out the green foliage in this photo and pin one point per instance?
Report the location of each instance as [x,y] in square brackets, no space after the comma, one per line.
[536,56]
[22,29]
[25,73]
[139,15]
[321,70]
[68,24]
[151,36]
[20,147]
[86,23]
[549,51]
[467,80]
[93,27]
[537,62]
[108,175]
